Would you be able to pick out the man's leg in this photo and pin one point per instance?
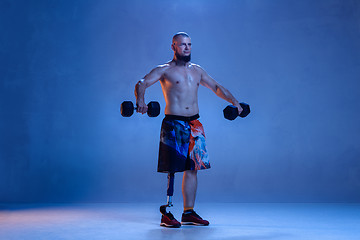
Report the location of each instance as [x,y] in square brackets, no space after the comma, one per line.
[189,187]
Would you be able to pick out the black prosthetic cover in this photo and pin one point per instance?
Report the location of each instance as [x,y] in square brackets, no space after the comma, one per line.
[170,188]
[170,192]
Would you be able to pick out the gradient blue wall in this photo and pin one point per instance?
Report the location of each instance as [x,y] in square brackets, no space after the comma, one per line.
[67,65]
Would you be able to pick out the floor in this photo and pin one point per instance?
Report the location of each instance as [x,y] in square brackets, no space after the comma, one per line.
[230,221]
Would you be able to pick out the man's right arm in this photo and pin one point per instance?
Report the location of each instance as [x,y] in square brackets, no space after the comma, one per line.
[149,79]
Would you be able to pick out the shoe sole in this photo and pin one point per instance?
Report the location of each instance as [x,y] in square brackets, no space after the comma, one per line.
[193,223]
[169,226]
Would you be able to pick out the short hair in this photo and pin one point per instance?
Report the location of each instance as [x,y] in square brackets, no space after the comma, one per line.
[183,34]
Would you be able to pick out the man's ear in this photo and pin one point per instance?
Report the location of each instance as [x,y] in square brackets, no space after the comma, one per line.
[172,46]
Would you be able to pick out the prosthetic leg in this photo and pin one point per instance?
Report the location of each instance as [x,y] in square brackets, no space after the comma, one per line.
[170,192]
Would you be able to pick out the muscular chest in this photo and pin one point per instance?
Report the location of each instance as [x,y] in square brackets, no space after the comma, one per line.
[186,77]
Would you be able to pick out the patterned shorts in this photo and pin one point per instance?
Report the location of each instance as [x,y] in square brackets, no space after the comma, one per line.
[182,145]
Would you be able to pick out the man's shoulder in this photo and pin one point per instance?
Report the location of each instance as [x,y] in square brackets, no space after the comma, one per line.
[161,68]
[197,67]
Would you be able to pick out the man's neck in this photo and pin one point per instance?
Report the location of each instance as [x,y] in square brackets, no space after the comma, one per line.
[180,62]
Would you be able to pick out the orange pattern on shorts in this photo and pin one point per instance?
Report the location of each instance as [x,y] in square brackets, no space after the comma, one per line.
[197,148]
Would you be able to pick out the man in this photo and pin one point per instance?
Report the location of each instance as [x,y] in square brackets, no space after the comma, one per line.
[182,141]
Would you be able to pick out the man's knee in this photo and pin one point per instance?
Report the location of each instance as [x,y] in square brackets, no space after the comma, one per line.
[191,172]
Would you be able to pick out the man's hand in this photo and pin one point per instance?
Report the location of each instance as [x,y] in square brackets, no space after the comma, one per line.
[141,107]
[240,109]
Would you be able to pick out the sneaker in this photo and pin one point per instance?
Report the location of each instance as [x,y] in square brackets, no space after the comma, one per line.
[192,218]
[168,220]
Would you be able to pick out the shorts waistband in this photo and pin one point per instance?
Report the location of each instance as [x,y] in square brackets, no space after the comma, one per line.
[181,118]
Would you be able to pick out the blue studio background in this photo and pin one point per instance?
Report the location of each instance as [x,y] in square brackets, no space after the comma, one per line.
[67,65]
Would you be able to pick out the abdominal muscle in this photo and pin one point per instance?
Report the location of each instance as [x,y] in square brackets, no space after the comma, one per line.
[181,110]
[180,101]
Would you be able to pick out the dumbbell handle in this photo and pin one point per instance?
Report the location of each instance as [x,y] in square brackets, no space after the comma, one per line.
[127,109]
[136,107]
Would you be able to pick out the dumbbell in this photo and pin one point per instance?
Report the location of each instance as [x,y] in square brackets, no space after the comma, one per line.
[231,112]
[127,109]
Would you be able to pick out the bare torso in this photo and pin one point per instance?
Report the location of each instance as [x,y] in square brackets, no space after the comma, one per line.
[180,86]
[180,82]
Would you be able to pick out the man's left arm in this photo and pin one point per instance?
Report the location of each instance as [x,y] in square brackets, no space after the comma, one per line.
[219,90]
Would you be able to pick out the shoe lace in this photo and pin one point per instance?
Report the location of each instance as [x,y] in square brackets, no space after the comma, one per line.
[170,216]
[196,215]
[193,213]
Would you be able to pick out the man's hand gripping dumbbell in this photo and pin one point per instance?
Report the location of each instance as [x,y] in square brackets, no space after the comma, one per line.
[152,109]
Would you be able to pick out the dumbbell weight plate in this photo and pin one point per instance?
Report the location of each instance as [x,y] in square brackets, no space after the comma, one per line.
[246,109]
[127,109]
[231,112]
[153,109]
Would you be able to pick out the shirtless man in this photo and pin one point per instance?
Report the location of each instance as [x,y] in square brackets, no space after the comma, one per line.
[182,140]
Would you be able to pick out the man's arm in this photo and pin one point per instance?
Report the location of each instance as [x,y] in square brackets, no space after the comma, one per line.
[219,90]
[149,79]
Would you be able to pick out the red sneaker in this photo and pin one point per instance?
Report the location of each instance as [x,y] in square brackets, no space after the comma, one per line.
[192,218]
[168,220]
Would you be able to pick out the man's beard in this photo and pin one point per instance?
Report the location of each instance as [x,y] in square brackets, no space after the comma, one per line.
[183,58]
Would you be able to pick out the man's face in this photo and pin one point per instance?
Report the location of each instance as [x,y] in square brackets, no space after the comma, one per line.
[182,46]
